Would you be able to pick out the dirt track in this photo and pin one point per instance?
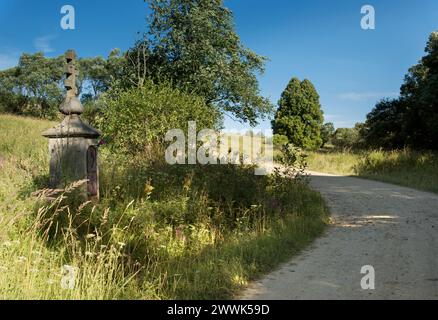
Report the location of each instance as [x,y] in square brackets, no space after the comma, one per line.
[392,228]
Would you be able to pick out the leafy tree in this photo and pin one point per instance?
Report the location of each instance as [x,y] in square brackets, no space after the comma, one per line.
[97,74]
[347,138]
[192,44]
[33,87]
[327,131]
[280,140]
[412,119]
[385,125]
[299,116]
[147,113]
[420,90]
[92,76]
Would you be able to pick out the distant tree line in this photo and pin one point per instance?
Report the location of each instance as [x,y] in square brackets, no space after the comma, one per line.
[412,119]
[189,45]
[35,86]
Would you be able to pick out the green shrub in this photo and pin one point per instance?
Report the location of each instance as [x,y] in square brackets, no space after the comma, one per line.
[158,232]
[280,140]
[134,119]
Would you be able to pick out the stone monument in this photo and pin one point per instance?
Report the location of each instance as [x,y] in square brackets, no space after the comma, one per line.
[73,143]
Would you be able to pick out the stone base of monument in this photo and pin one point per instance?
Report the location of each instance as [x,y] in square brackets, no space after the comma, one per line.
[73,145]
[74,159]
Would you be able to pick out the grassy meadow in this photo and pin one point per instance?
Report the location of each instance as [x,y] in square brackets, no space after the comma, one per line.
[158,232]
[409,168]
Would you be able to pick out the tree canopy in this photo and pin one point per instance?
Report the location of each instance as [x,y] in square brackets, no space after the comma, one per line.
[411,120]
[35,87]
[193,44]
[299,116]
[327,132]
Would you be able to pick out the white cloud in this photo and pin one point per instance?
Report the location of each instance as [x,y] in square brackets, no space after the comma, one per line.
[344,124]
[43,43]
[8,60]
[365,96]
[329,117]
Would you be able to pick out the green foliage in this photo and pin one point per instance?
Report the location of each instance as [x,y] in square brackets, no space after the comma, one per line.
[97,75]
[134,119]
[403,167]
[385,126]
[334,161]
[299,116]
[280,140]
[410,120]
[347,138]
[192,43]
[35,86]
[327,132]
[293,160]
[159,232]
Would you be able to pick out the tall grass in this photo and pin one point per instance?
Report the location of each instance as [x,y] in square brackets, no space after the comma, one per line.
[333,162]
[403,167]
[159,232]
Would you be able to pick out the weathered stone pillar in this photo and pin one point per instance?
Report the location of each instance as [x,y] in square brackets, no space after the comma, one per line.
[73,143]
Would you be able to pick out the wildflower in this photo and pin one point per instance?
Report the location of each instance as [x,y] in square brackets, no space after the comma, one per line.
[187,183]
[179,233]
[22,259]
[7,244]
[90,236]
[148,189]
[121,244]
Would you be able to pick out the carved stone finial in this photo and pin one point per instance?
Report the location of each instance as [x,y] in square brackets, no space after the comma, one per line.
[71,104]
[73,143]
[71,72]
[72,125]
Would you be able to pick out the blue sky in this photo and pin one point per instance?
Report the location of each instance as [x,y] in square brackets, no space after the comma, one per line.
[316,39]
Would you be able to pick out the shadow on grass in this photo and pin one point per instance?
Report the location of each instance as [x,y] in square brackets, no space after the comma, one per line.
[235,226]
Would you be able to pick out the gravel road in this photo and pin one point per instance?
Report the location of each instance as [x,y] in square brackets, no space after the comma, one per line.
[392,228]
